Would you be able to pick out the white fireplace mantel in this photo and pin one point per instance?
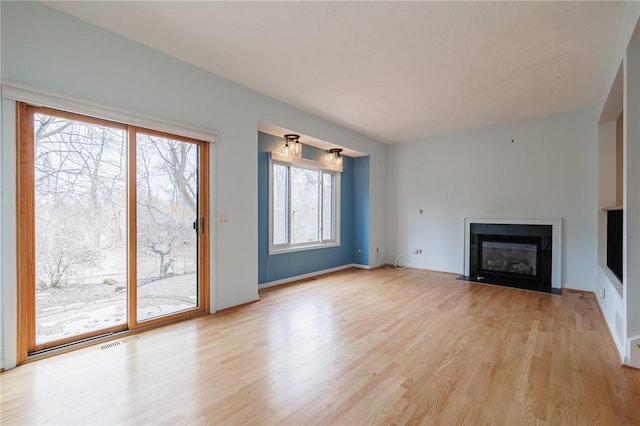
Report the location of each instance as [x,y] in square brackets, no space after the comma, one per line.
[556,248]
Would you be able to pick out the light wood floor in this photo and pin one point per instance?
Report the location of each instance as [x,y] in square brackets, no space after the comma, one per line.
[354,347]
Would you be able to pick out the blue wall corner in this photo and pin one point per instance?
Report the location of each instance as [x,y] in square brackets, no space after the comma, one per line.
[361,210]
[354,218]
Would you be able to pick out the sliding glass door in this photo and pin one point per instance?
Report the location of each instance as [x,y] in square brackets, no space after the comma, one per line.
[111,227]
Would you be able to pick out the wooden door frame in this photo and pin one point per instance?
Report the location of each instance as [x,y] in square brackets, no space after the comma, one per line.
[26,238]
[25,230]
[203,231]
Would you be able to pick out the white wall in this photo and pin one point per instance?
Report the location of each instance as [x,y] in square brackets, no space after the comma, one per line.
[44,48]
[2,320]
[378,242]
[549,171]
[631,221]
[625,52]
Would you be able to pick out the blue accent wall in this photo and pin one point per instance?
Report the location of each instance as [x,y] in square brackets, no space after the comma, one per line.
[361,210]
[287,265]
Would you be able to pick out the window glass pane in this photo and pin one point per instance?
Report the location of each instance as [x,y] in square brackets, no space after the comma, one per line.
[279,204]
[327,206]
[80,228]
[305,207]
[167,195]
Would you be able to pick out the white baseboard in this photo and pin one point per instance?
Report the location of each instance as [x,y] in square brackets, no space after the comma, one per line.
[311,275]
[578,289]
[632,359]
[422,268]
[357,265]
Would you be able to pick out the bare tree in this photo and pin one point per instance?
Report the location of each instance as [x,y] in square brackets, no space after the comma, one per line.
[167,199]
[80,175]
[79,178]
[183,175]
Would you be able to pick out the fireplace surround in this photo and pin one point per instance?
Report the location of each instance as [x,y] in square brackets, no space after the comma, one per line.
[521,253]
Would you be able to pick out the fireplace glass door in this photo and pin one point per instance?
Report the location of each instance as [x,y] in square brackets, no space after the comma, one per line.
[509,258]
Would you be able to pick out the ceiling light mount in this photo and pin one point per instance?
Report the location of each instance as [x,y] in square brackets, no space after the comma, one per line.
[292,145]
[334,156]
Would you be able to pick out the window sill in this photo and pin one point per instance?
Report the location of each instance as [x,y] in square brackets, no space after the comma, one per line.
[302,247]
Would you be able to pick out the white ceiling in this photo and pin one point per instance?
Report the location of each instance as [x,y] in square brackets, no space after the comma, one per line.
[394,71]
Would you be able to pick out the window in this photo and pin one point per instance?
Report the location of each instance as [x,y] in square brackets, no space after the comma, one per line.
[111,233]
[304,205]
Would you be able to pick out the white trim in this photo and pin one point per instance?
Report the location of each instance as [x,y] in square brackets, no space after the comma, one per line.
[556,248]
[39,97]
[305,162]
[359,266]
[632,358]
[291,248]
[8,278]
[305,276]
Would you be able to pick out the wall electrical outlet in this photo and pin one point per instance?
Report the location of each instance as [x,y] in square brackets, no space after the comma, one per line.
[601,293]
[417,251]
[421,211]
[359,250]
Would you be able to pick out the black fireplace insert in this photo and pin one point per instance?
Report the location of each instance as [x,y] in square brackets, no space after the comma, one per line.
[513,255]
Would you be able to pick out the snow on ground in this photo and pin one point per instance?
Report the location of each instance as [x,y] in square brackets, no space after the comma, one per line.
[90,307]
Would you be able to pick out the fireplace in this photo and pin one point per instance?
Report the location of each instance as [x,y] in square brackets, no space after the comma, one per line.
[517,255]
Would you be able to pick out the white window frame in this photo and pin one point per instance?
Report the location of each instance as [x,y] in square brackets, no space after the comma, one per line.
[336,171]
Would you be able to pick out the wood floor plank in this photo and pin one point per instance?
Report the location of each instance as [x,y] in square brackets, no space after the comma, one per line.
[386,346]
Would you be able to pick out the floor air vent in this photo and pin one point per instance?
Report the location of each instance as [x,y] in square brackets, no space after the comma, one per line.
[110,345]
